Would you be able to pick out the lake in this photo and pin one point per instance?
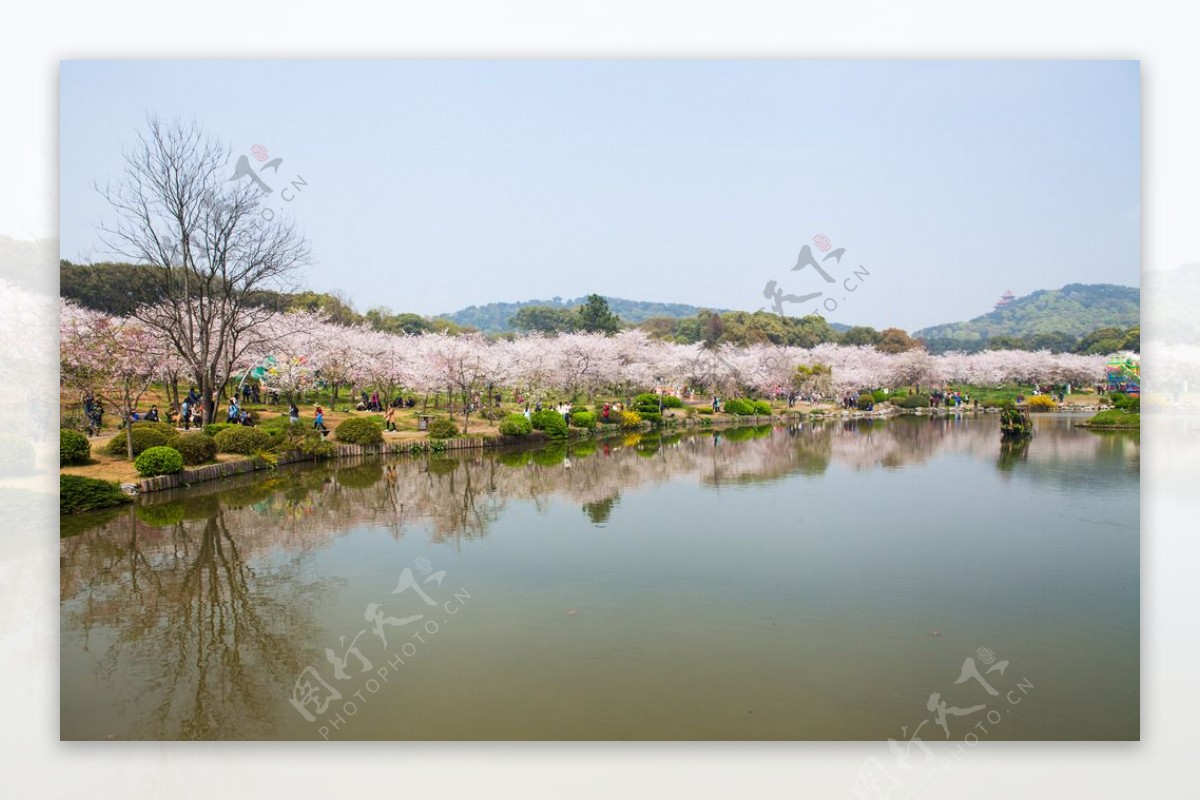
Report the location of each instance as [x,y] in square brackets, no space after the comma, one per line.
[857,580]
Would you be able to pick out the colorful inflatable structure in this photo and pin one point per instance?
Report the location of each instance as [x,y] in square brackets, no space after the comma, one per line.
[1125,373]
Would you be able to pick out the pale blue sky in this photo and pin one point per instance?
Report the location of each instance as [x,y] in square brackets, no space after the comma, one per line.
[433,185]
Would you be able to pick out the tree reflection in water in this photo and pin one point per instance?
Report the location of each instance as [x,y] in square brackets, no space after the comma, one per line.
[203,612]
[213,632]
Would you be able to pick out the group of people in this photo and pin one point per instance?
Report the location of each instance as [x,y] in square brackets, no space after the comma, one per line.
[373,403]
[236,415]
[252,393]
[950,399]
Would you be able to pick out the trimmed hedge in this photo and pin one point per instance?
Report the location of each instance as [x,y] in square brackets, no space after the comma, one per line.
[583,420]
[762,407]
[144,435]
[442,428]
[82,494]
[73,448]
[158,461]
[359,431]
[515,425]
[242,439]
[195,447]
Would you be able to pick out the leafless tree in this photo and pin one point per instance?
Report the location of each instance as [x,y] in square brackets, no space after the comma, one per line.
[209,243]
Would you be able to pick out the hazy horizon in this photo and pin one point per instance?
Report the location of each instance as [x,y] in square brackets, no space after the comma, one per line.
[431,186]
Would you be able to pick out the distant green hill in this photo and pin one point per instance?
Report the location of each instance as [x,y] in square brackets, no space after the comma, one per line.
[1076,309]
[493,318]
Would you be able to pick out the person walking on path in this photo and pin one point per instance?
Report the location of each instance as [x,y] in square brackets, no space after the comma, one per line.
[389,419]
[293,413]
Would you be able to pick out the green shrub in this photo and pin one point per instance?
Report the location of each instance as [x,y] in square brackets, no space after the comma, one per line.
[158,461]
[1128,403]
[762,407]
[515,425]
[646,402]
[583,420]
[865,401]
[654,418]
[705,410]
[73,448]
[442,428]
[539,420]
[880,396]
[242,439]
[913,402]
[148,425]
[144,435]
[738,406]
[360,431]
[195,447]
[554,426]
[212,429]
[81,494]
[300,438]
[672,402]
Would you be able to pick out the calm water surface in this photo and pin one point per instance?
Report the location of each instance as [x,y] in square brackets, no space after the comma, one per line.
[820,582]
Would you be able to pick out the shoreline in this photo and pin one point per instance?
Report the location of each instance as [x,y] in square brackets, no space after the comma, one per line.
[241,466]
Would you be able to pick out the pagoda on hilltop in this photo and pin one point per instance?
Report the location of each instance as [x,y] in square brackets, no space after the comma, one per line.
[1005,299]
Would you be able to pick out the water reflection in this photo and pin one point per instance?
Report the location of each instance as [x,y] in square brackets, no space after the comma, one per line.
[462,495]
[183,613]
[198,608]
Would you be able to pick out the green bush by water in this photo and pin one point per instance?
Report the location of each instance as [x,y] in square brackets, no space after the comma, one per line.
[81,494]
[442,428]
[363,431]
[515,425]
[242,439]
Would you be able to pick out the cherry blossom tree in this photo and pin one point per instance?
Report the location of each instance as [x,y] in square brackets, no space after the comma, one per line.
[113,358]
